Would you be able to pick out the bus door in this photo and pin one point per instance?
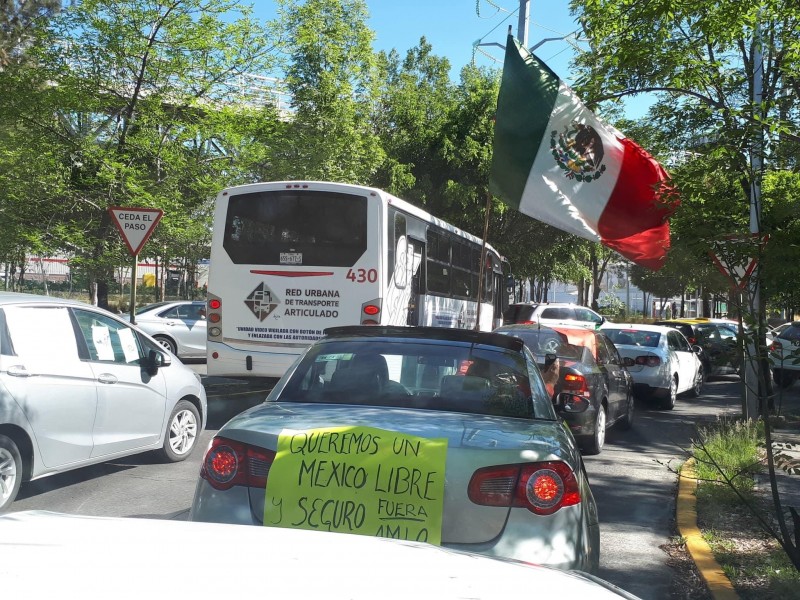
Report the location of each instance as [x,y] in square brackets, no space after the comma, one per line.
[416,305]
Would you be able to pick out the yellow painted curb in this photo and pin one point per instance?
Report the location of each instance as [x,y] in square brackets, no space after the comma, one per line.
[718,583]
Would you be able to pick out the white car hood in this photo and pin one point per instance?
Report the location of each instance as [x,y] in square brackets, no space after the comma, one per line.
[65,556]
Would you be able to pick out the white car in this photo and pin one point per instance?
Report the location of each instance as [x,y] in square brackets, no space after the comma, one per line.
[552,314]
[784,355]
[52,555]
[79,386]
[664,363]
[179,326]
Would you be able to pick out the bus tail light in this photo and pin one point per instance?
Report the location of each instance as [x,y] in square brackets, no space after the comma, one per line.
[371,312]
[214,315]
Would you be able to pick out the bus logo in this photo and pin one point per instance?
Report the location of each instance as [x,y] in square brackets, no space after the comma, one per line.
[261,301]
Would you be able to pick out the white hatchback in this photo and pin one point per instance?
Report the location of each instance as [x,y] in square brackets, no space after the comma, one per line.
[664,363]
[79,386]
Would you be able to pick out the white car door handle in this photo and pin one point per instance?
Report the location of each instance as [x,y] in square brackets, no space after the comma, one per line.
[18,371]
[107,378]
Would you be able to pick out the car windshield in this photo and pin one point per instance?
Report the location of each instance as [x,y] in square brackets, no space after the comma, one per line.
[633,337]
[465,378]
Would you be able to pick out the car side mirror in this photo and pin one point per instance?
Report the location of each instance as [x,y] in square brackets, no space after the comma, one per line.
[628,361]
[697,349]
[156,360]
[549,359]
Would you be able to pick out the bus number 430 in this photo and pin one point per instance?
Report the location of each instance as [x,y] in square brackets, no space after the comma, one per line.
[363,275]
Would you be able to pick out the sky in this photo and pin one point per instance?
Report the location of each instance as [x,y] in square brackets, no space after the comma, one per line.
[452,27]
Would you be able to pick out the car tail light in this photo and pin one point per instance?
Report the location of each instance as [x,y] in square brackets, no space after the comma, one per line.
[215,304]
[543,488]
[228,463]
[692,340]
[574,383]
[650,360]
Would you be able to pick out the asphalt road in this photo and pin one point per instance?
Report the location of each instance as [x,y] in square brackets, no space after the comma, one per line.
[632,480]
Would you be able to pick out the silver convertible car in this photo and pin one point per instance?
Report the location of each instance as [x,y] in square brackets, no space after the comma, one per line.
[415,433]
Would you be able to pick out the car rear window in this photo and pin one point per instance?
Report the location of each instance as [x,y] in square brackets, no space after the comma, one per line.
[374,373]
[791,333]
[518,313]
[633,337]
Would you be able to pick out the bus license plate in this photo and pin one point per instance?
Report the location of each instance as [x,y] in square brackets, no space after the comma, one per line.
[291,258]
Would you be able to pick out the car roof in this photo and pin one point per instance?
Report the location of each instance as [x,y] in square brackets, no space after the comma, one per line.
[19,298]
[387,332]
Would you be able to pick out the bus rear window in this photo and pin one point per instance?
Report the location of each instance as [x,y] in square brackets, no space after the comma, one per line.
[296,227]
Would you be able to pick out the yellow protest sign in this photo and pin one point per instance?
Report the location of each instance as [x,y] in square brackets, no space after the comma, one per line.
[358,480]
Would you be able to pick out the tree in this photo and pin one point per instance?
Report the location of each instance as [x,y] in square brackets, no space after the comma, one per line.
[701,59]
[18,19]
[330,77]
[130,97]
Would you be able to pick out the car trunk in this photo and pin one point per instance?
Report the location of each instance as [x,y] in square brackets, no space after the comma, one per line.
[473,441]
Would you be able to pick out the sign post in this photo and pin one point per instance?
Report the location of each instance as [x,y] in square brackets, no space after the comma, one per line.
[136,225]
[736,256]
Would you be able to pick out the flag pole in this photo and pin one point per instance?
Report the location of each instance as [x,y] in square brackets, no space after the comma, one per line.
[482,268]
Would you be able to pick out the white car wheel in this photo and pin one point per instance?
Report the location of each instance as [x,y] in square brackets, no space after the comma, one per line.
[182,431]
[697,388]
[167,343]
[672,395]
[10,471]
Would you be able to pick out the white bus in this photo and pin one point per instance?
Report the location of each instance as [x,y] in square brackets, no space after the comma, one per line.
[290,259]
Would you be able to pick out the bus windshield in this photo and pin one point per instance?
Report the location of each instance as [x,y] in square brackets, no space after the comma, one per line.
[296,227]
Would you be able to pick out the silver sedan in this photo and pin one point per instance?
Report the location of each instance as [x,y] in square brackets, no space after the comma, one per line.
[421,434]
[179,326]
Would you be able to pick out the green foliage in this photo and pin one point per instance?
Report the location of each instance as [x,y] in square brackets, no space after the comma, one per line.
[330,77]
[728,451]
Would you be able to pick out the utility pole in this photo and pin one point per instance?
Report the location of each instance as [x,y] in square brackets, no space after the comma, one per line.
[755,378]
[522,22]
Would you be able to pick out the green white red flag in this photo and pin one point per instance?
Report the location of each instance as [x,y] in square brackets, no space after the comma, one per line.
[556,161]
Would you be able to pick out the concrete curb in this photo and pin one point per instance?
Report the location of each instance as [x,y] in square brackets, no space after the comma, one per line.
[718,583]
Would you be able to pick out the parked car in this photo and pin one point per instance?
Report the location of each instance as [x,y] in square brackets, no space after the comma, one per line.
[116,551]
[80,386]
[178,326]
[774,332]
[784,355]
[552,313]
[592,389]
[418,433]
[717,338]
[664,363]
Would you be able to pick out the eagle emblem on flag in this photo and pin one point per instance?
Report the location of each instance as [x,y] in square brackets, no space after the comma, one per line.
[578,150]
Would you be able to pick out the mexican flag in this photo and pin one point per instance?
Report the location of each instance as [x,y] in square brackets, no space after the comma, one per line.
[555,161]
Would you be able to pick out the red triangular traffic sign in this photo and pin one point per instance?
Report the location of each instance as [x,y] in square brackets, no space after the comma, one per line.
[135,224]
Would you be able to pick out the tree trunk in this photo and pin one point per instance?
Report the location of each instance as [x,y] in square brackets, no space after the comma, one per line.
[102,294]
